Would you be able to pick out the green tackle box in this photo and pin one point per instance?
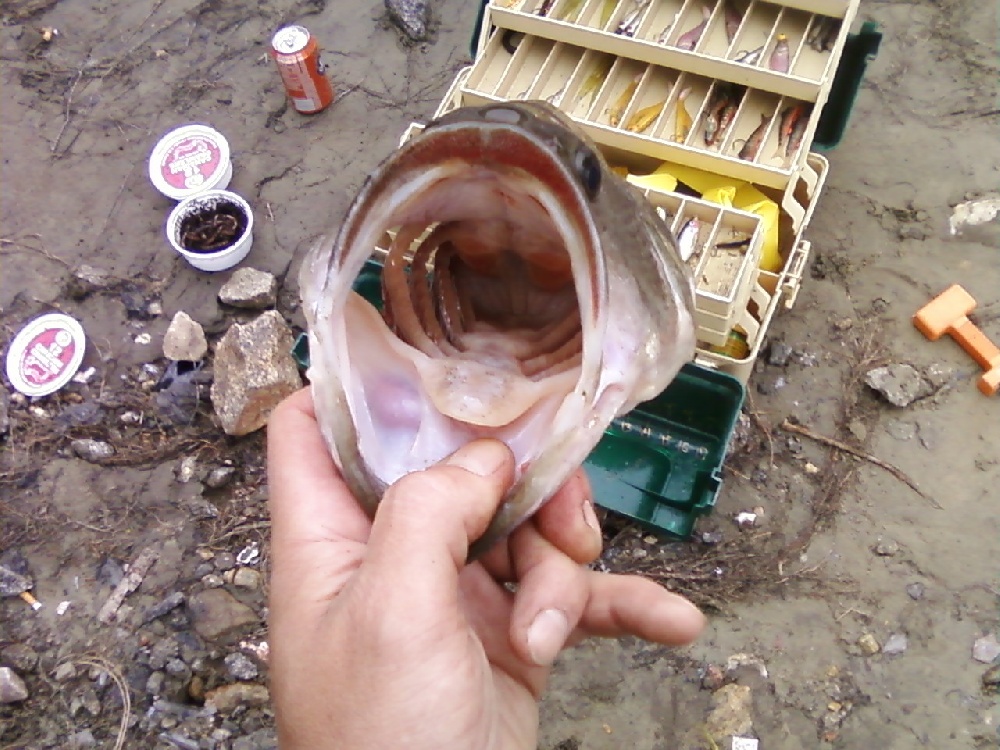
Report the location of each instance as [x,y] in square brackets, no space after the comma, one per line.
[660,464]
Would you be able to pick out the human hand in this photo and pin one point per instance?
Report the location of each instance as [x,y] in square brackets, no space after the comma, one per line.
[381,636]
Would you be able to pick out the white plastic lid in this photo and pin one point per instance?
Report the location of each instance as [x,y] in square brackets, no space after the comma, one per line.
[46,354]
[188,160]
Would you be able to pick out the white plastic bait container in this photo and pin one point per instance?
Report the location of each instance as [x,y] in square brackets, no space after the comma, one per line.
[204,202]
[45,354]
[189,160]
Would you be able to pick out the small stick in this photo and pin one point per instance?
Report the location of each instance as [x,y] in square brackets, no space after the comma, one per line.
[128,584]
[898,473]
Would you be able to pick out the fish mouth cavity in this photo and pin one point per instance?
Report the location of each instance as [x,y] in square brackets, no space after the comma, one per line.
[478,276]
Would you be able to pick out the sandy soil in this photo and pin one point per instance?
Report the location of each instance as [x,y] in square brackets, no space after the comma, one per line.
[79,117]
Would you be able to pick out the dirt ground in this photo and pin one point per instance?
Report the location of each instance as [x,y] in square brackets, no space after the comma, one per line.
[842,549]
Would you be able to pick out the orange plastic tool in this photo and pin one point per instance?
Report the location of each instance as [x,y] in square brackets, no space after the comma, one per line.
[947,313]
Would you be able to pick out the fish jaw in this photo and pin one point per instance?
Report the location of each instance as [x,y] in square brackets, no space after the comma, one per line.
[380,412]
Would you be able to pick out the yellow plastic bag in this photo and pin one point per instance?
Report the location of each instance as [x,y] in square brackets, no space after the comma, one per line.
[726,192]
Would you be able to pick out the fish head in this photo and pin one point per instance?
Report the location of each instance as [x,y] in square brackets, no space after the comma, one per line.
[529,295]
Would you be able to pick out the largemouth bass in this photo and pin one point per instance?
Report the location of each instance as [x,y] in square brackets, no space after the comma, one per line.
[529,295]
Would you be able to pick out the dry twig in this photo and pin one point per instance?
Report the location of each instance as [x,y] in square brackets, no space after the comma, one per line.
[832,443]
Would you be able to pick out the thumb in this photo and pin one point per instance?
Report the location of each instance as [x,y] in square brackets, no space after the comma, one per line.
[426,521]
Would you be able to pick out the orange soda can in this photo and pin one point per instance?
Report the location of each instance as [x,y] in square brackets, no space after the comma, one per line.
[297,55]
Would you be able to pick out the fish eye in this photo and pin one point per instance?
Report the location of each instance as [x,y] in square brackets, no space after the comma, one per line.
[588,171]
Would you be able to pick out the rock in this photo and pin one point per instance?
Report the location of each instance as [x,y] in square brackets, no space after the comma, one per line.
[85,699]
[211,580]
[79,415]
[857,428]
[199,507]
[163,651]
[915,591]
[411,16]
[154,685]
[110,572]
[180,390]
[246,578]
[187,469]
[770,383]
[900,384]
[216,613]
[779,354]
[220,477]
[177,668]
[986,649]
[85,280]
[135,302]
[92,450]
[12,687]
[13,583]
[171,602]
[730,714]
[64,672]
[262,739]
[196,689]
[184,339]
[886,548]
[225,561]
[896,644]
[241,667]
[843,324]
[254,371]
[714,678]
[868,645]
[19,656]
[82,739]
[228,698]
[938,375]
[991,678]
[154,308]
[250,289]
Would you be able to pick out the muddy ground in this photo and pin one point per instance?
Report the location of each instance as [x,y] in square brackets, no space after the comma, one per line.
[842,549]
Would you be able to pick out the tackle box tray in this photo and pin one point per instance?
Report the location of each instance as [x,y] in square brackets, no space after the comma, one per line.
[661,463]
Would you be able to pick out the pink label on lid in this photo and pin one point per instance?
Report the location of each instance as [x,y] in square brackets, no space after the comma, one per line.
[190,162]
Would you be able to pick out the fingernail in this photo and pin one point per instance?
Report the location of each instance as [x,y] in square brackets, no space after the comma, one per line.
[590,517]
[547,635]
[482,457]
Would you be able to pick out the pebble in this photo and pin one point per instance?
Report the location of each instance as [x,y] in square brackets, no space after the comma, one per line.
[213,581]
[262,739]
[986,649]
[900,384]
[869,646]
[163,651]
[220,477]
[730,714]
[246,578]
[250,289]
[199,507]
[895,644]
[171,602]
[915,591]
[177,668]
[215,613]
[187,469]
[225,561]
[196,689]
[991,678]
[254,372]
[938,375]
[857,428]
[12,687]
[411,16]
[185,339]
[228,698]
[912,232]
[92,450]
[20,656]
[154,685]
[711,537]
[110,573]
[82,739]
[241,666]
[779,354]
[13,583]
[769,384]
[64,672]
[886,548]
[714,677]
[85,699]
[136,305]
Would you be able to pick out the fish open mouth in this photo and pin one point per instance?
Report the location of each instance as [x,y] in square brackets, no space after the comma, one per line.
[492,297]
